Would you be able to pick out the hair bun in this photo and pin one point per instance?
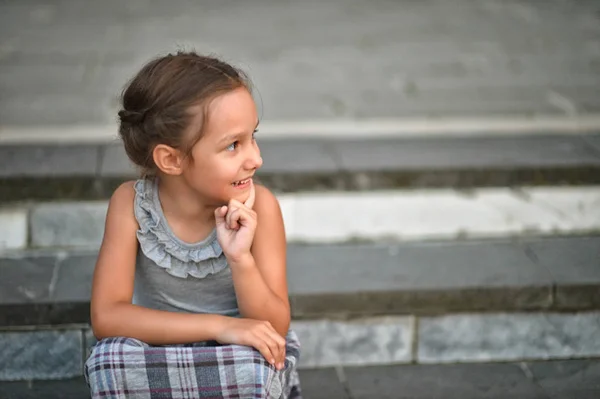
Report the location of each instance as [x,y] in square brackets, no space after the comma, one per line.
[131,117]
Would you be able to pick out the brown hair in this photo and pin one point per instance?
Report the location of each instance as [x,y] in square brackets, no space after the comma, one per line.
[156,101]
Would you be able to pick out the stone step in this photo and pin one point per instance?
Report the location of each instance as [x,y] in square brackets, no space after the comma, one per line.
[91,171]
[544,379]
[361,304]
[397,216]
[353,280]
[59,352]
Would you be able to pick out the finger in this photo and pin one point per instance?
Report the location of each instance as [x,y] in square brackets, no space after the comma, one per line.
[233,219]
[275,350]
[280,342]
[264,349]
[250,201]
[220,215]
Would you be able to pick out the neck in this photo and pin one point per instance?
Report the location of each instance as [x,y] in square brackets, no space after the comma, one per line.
[182,202]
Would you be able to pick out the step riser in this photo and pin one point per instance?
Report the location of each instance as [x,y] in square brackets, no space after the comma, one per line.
[323,217]
[330,128]
[343,163]
[59,352]
[92,188]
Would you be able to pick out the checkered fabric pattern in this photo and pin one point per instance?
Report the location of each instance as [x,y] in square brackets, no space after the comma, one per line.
[128,368]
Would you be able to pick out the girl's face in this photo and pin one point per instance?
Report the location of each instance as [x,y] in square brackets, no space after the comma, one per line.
[224,160]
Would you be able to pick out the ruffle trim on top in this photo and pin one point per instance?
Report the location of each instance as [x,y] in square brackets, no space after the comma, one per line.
[160,245]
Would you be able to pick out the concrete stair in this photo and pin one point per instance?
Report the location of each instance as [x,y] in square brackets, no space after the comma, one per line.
[443,208]
[377,276]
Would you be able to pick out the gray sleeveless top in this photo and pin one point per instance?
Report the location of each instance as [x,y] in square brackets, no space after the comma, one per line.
[173,275]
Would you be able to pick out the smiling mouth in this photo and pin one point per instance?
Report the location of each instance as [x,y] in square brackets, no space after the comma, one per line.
[241,182]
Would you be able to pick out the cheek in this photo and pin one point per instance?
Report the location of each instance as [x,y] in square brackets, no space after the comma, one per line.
[219,174]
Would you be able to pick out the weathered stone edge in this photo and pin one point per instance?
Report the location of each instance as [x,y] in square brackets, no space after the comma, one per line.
[551,297]
[17,189]
[475,337]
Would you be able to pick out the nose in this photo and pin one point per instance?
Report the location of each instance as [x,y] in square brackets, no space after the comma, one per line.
[254,160]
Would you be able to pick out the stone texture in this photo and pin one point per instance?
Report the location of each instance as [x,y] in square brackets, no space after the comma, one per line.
[89,340]
[568,378]
[456,381]
[409,215]
[415,277]
[468,152]
[13,228]
[323,60]
[48,160]
[371,341]
[114,162]
[296,156]
[321,384]
[43,188]
[74,280]
[575,268]
[499,337]
[27,355]
[398,215]
[26,280]
[594,141]
[71,388]
[580,210]
[68,224]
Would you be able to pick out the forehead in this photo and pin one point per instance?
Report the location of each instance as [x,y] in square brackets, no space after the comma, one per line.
[229,113]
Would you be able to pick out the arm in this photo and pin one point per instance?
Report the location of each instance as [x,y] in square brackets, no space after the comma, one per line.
[260,278]
[112,312]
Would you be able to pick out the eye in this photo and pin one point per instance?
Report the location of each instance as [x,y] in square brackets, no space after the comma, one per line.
[254,134]
[232,146]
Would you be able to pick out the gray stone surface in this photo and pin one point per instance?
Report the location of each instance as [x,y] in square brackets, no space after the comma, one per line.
[27,355]
[310,60]
[415,276]
[458,381]
[72,388]
[321,384]
[370,341]
[74,279]
[594,141]
[461,338]
[568,379]
[48,160]
[483,152]
[569,260]
[68,224]
[574,264]
[289,156]
[89,340]
[575,379]
[296,156]
[115,162]
[26,280]
[13,227]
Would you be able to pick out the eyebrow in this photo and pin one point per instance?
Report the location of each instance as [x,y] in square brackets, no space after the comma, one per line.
[236,135]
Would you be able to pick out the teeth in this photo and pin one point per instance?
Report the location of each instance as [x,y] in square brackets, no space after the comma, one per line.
[237,183]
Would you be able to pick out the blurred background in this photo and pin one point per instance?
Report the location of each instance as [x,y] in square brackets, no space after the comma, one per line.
[437,163]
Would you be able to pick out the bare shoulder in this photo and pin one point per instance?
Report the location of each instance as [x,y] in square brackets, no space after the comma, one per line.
[124,194]
[265,198]
[120,217]
[265,202]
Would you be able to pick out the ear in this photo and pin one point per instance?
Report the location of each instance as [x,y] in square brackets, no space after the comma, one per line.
[167,159]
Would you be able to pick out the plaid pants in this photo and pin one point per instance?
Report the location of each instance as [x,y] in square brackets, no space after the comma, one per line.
[128,368]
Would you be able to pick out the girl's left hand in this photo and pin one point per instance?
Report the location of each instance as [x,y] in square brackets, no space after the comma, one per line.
[236,224]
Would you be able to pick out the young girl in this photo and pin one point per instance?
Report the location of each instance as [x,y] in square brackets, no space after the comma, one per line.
[189,296]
